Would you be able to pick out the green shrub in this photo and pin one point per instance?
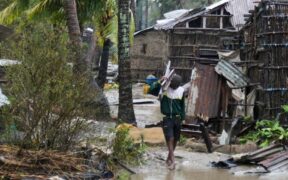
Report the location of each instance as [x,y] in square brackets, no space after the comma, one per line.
[125,149]
[266,132]
[182,140]
[47,99]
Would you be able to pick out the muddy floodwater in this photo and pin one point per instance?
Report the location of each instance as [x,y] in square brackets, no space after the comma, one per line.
[195,166]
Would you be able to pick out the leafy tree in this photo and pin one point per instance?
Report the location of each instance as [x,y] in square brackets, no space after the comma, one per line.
[47,99]
[58,12]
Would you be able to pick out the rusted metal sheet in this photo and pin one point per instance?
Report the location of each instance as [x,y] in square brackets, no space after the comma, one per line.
[232,73]
[263,154]
[272,158]
[277,162]
[204,96]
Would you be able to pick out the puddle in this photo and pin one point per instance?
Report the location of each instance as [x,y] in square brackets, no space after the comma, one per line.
[192,174]
[194,166]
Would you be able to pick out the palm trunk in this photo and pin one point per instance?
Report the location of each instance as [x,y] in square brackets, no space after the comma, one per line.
[80,68]
[104,64]
[74,34]
[98,52]
[126,110]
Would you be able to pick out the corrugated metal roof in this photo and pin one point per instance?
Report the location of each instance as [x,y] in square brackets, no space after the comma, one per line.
[277,162]
[143,31]
[238,8]
[264,153]
[272,158]
[204,96]
[217,4]
[172,23]
[232,73]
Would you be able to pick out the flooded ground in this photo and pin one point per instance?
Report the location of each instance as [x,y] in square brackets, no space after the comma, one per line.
[195,166]
[190,165]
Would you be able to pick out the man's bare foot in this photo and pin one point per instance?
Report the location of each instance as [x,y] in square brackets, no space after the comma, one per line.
[172,166]
[168,162]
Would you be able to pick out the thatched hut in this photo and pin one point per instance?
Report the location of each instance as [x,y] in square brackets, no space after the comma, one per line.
[188,36]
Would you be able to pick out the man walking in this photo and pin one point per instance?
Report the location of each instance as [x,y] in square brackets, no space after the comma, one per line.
[173,107]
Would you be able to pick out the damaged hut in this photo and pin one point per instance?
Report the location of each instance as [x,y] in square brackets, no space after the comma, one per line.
[202,45]
[188,36]
[264,48]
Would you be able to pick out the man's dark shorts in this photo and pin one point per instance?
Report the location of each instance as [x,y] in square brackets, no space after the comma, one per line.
[172,127]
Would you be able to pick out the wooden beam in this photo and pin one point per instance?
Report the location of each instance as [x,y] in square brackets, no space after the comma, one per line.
[204,22]
[221,18]
[190,45]
[206,29]
[215,15]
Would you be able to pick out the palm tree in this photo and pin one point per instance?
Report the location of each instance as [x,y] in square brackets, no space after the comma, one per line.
[126,111]
[104,64]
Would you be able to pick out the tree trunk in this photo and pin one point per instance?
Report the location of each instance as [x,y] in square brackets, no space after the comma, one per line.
[74,34]
[104,64]
[126,110]
[146,13]
[81,65]
[98,52]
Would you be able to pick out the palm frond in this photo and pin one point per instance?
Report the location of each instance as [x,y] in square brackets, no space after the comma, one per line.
[44,8]
[8,15]
[13,11]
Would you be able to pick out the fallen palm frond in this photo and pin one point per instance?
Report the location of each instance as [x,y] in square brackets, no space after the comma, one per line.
[17,164]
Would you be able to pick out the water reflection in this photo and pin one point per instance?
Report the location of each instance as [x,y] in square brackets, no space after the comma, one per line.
[185,174]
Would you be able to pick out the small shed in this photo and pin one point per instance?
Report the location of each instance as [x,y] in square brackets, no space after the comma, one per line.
[188,36]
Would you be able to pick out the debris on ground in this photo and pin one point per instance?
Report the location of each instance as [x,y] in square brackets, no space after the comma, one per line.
[272,159]
[16,163]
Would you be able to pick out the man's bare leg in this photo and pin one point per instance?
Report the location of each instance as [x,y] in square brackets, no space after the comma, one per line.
[171,158]
[168,160]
